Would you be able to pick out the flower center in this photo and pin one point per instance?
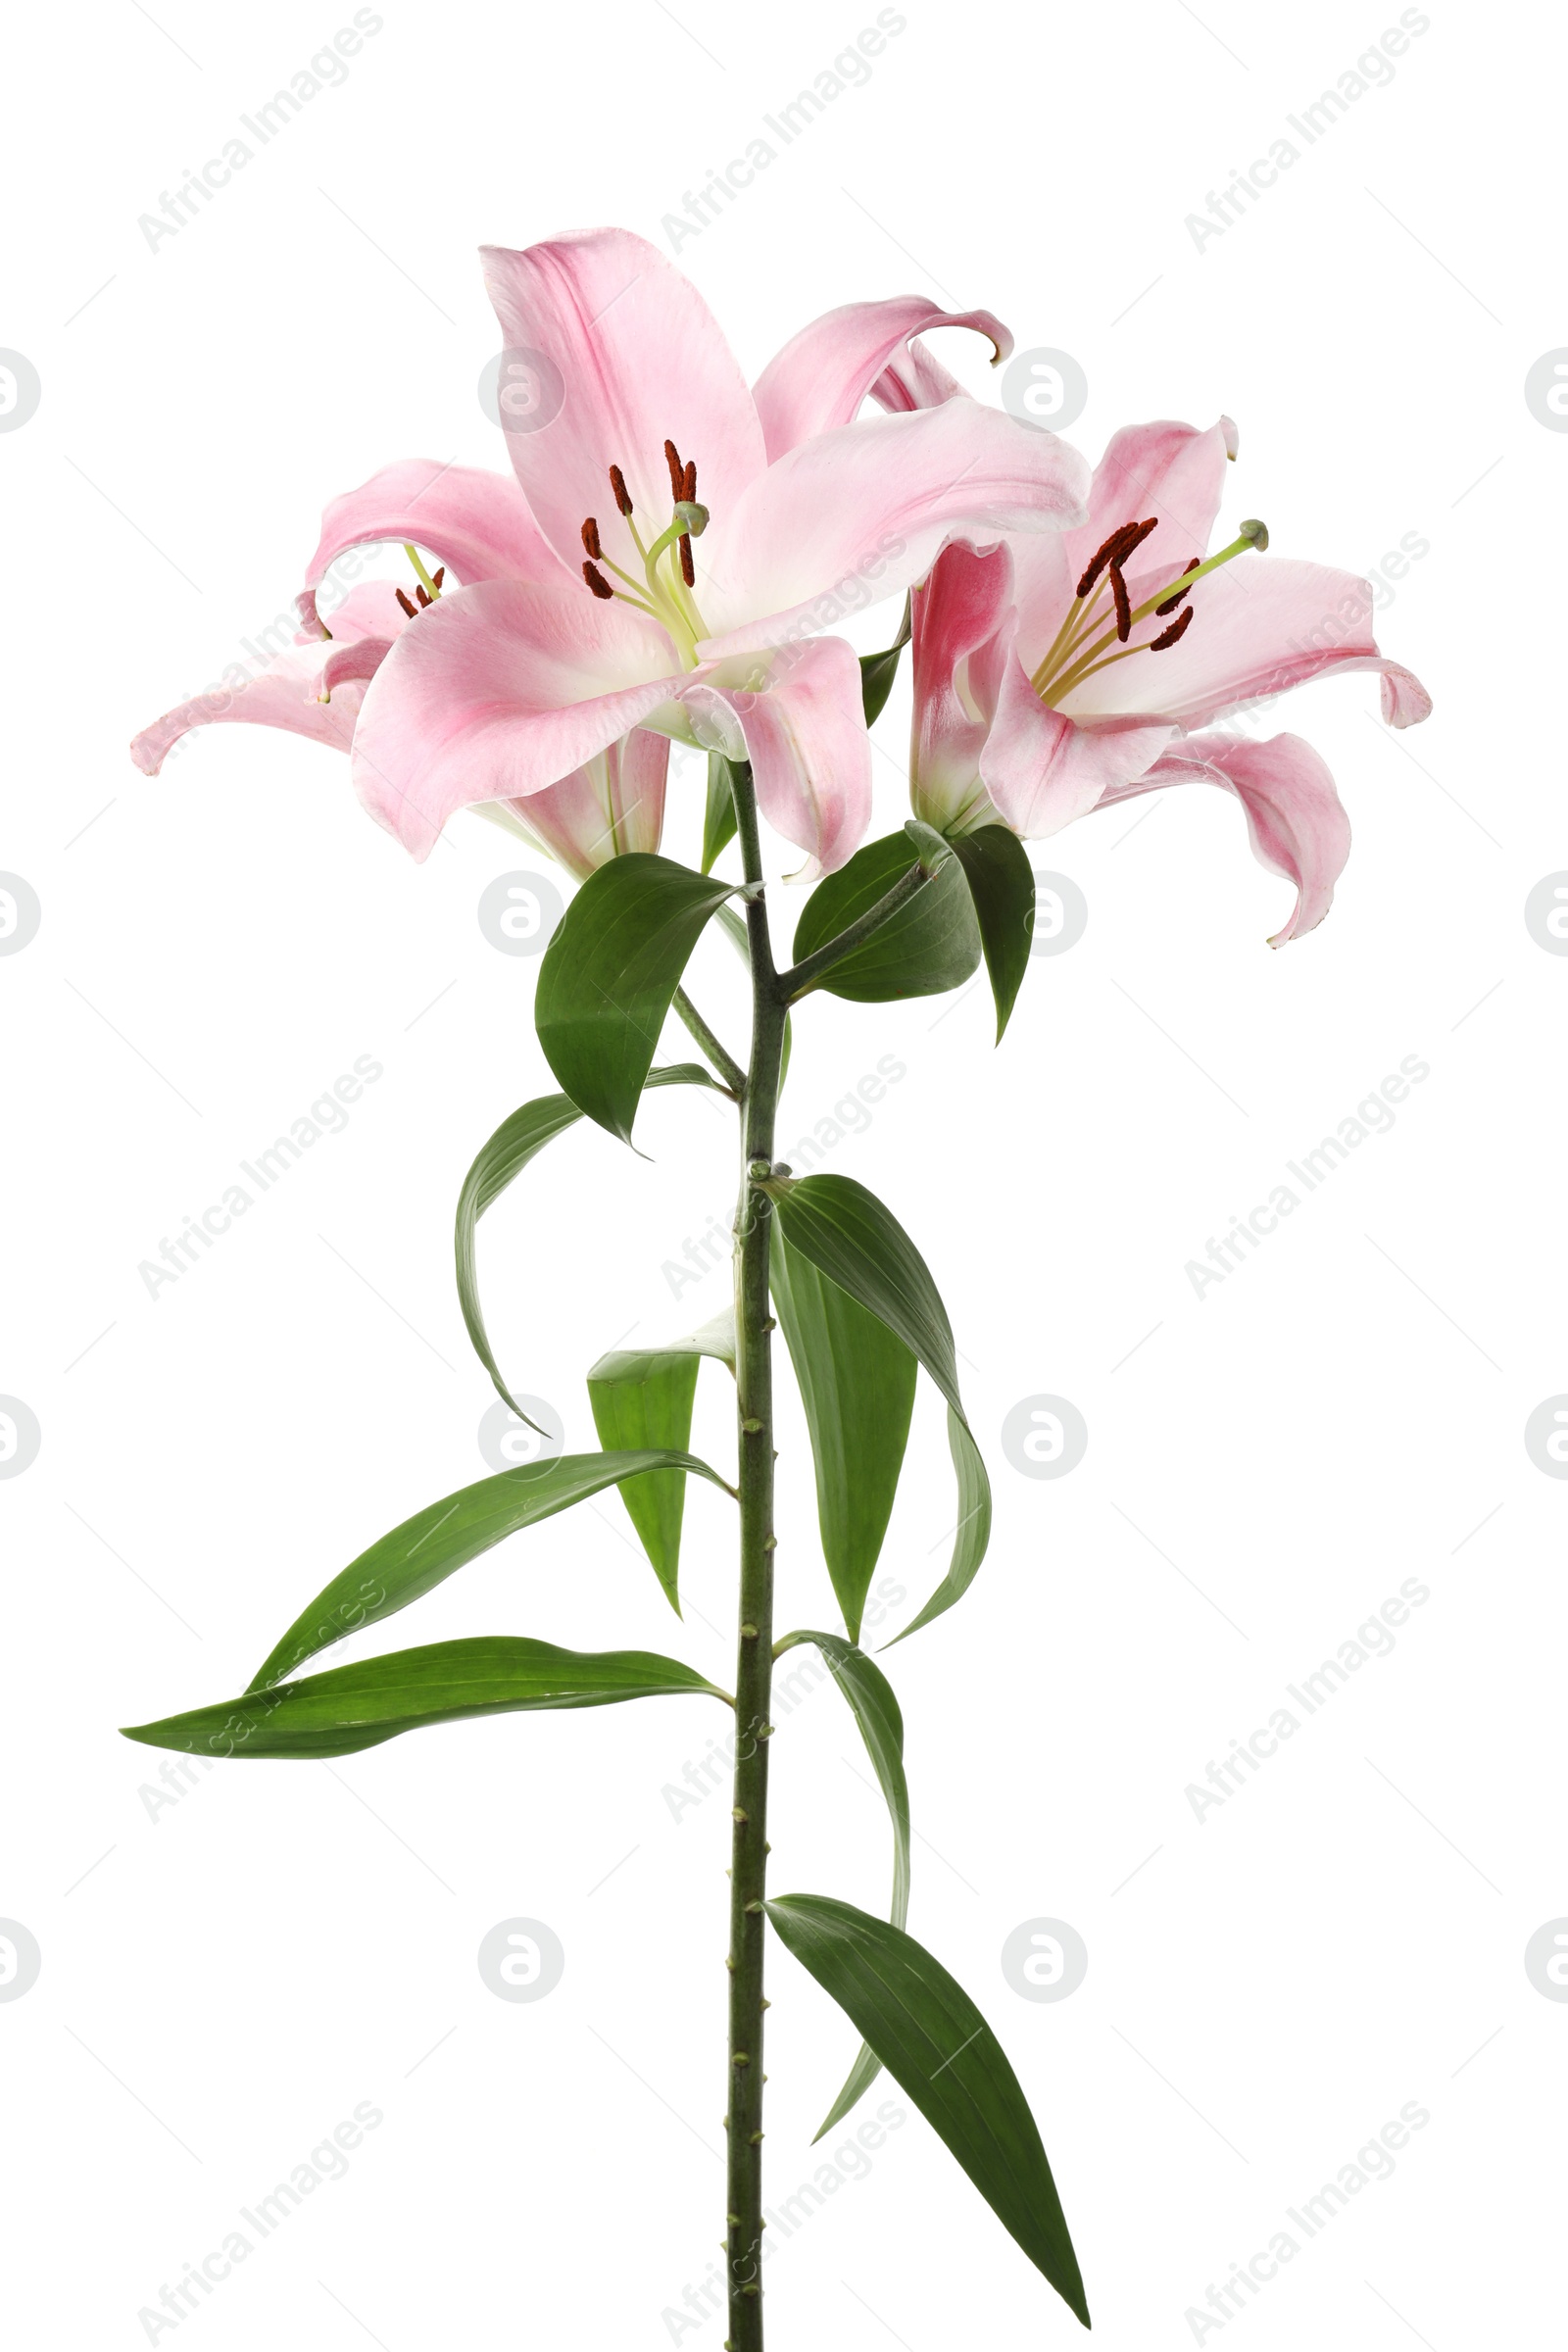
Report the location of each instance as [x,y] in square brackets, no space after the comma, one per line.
[665,591]
[428,589]
[1103,615]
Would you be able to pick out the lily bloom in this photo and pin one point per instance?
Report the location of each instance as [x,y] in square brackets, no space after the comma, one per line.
[614,802]
[1052,677]
[690,539]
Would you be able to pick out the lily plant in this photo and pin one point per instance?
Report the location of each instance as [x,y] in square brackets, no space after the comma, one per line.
[668,565]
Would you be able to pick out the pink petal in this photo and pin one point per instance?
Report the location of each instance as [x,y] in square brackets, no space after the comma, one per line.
[637,358]
[361,660]
[915,379]
[1174,472]
[614,802]
[1260,625]
[498,692]
[286,694]
[963,625]
[862,512]
[477,523]
[1043,772]
[822,375]
[283,696]
[1294,816]
[802,725]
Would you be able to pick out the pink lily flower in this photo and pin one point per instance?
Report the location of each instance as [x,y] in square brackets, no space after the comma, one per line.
[694,621]
[1051,676]
[614,802]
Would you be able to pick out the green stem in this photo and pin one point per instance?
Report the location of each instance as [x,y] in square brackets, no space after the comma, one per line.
[729,1068]
[754,1669]
[801,976]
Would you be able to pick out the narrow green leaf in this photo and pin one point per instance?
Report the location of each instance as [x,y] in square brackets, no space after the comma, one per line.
[945,2058]
[1001,883]
[858,1244]
[608,974]
[505,1154]
[878,670]
[930,945]
[422,1553]
[718,818]
[643,1396]
[357,1706]
[973,1535]
[876,1711]
[857,1380]
[849,1237]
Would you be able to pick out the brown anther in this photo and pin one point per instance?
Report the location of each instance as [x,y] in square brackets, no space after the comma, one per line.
[1124,611]
[590,538]
[1116,549]
[618,483]
[421,598]
[408,607]
[1170,637]
[439,576]
[1171,601]
[688,487]
[678,471]
[598,583]
[688,570]
[1103,555]
[1135,534]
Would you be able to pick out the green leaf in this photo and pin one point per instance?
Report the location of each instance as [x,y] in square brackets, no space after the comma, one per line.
[878,670]
[1001,883]
[857,1380]
[930,945]
[971,1537]
[718,818]
[357,1706]
[850,1238]
[608,974]
[414,1559]
[876,1711]
[947,2061]
[643,1396]
[507,1153]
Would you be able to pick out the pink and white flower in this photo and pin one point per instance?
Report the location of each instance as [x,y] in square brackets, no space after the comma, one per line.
[1052,677]
[614,801]
[696,538]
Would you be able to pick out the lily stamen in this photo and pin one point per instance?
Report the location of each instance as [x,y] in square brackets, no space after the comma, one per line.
[1173,635]
[1124,611]
[432,587]
[663,593]
[1064,668]
[1171,601]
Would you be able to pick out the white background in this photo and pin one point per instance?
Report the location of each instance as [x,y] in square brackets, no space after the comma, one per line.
[237,1970]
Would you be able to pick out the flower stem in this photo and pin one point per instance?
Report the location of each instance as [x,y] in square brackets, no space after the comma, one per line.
[806,974]
[754,1669]
[729,1068]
